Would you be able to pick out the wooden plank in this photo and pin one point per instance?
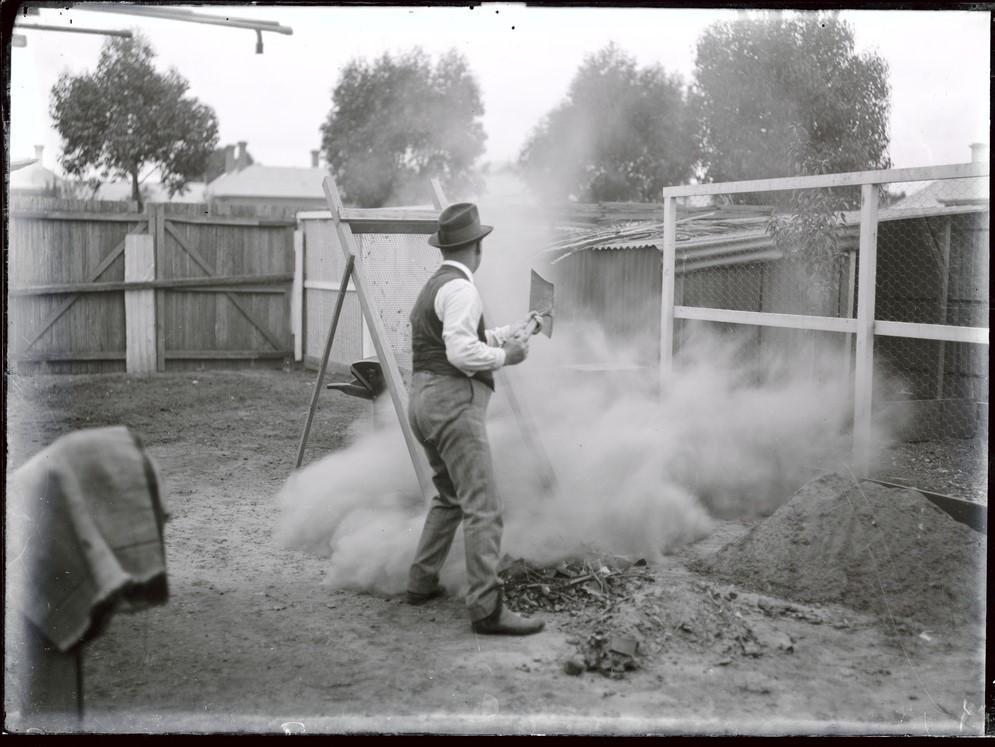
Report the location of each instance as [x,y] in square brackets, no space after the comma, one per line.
[170,283]
[210,355]
[667,273]
[79,217]
[139,305]
[354,216]
[326,285]
[864,355]
[157,226]
[395,384]
[219,220]
[850,179]
[55,356]
[766,319]
[942,332]
[411,227]
[209,270]
[297,296]
[62,308]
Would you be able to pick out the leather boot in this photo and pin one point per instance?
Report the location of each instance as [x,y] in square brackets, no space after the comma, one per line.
[419,598]
[502,621]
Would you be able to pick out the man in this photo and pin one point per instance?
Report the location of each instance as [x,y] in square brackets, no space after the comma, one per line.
[453,358]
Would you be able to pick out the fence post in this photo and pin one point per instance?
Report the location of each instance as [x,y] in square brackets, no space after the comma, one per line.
[864,368]
[139,305]
[667,288]
[157,229]
[297,295]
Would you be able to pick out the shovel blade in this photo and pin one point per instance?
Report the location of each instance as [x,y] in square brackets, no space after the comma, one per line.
[541,301]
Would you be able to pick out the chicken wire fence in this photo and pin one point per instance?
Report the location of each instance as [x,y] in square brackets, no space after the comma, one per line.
[797,252]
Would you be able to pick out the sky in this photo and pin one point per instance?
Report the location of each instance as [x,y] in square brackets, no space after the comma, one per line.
[523,57]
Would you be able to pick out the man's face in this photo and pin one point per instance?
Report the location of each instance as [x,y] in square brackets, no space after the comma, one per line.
[478,255]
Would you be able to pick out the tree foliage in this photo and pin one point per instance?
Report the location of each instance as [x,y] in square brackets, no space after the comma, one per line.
[786,95]
[216,164]
[398,121]
[126,120]
[622,133]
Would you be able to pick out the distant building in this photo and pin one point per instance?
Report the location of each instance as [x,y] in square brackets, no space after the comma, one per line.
[949,192]
[275,186]
[194,192]
[35,178]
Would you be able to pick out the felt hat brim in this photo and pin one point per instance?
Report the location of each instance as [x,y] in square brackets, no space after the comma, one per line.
[479,234]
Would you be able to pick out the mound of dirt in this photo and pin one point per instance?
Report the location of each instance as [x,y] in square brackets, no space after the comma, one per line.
[869,547]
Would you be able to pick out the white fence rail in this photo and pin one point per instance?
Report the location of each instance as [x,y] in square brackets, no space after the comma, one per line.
[863,324]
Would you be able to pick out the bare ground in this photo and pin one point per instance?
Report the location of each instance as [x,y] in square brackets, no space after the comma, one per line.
[251,640]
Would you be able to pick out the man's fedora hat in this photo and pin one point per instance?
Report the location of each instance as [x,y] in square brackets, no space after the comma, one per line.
[459,225]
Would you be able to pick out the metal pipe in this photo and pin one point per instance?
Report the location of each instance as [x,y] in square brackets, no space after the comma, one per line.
[176,14]
[73,30]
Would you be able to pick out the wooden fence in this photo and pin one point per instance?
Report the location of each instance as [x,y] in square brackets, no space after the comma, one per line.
[100,287]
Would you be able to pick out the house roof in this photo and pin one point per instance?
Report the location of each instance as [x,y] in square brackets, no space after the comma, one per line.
[33,177]
[945,192]
[270,181]
[151,191]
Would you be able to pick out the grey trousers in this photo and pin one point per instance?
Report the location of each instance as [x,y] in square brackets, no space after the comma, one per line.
[447,414]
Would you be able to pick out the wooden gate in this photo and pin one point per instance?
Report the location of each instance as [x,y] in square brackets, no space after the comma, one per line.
[99,287]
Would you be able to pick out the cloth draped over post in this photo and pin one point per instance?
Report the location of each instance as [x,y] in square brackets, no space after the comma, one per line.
[85,525]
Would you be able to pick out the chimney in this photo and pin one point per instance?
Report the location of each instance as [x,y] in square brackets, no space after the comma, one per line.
[242,160]
[40,148]
[229,159]
[979,153]
[314,158]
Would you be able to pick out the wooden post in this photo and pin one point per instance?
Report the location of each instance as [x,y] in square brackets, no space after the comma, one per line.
[323,363]
[667,288]
[395,384]
[139,306]
[943,293]
[297,296]
[864,374]
[157,228]
[851,293]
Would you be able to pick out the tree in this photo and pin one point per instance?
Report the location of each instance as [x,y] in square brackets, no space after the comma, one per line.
[127,120]
[399,121]
[786,95]
[620,134]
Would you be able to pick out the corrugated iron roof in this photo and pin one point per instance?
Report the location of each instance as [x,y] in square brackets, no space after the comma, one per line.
[270,181]
[946,192]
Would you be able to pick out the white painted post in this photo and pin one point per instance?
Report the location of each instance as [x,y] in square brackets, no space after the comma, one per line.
[139,305]
[297,295]
[864,374]
[667,288]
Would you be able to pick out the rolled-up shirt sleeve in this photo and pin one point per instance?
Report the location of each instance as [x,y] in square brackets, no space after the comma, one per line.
[458,306]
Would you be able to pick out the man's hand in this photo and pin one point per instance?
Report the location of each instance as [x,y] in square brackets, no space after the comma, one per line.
[519,330]
[516,349]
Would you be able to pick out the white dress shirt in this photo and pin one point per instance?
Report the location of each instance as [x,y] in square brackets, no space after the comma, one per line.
[459,307]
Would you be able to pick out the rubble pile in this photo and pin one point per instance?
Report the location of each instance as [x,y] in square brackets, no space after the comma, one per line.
[573,586]
[872,548]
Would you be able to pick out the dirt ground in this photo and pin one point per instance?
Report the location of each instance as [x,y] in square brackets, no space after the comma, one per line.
[251,640]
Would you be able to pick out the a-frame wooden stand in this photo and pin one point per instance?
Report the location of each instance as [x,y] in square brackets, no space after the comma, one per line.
[386,221]
[372,221]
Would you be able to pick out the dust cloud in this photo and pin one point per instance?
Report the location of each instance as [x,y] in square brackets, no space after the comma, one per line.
[642,466]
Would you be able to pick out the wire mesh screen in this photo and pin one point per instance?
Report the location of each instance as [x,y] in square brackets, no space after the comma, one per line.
[397,266]
[933,268]
[770,257]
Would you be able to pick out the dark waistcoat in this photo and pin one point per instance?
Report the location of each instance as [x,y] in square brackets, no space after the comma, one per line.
[428,349]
